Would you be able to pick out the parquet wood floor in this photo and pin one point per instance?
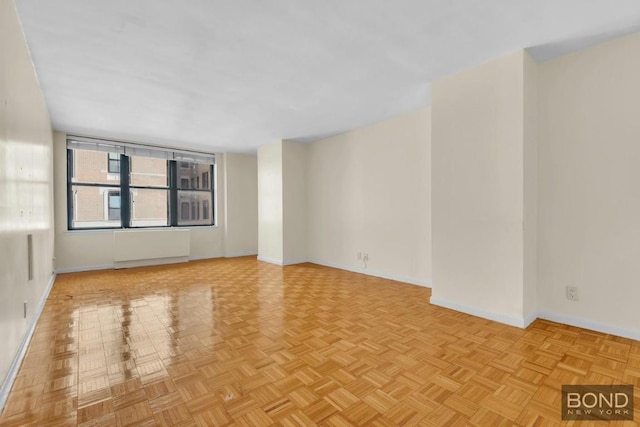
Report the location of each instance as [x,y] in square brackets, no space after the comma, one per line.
[241,342]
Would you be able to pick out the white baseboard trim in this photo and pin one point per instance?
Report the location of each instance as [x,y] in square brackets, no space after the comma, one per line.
[241,254]
[269,260]
[565,319]
[282,263]
[22,350]
[201,257]
[85,268]
[128,264]
[593,325]
[295,261]
[530,319]
[478,312]
[409,280]
[150,262]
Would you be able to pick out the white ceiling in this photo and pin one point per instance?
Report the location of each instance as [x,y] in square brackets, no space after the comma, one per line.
[236,74]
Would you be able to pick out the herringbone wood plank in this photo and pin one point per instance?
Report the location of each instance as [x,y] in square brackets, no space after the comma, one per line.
[240,342]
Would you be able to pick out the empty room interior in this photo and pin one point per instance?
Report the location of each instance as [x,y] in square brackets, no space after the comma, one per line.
[319,213]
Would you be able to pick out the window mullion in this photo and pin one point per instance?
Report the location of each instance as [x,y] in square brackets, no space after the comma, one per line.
[212,178]
[125,193]
[173,193]
[70,207]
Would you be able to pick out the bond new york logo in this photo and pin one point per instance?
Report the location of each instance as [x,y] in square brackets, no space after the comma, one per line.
[597,402]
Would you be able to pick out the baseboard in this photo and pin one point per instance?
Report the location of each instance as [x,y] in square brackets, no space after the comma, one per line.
[530,319]
[85,268]
[409,280]
[282,263]
[269,260]
[295,261]
[201,257]
[241,254]
[489,315]
[150,262]
[22,350]
[128,264]
[593,325]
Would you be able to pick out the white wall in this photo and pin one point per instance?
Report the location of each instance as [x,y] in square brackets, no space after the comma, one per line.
[294,191]
[241,215]
[282,201]
[270,242]
[369,192]
[91,249]
[25,189]
[478,189]
[530,220]
[589,186]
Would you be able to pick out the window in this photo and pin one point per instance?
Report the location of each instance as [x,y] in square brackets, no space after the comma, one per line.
[205,180]
[196,195]
[113,163]
[93,194]
[113,206]
[151,187]
[205,209]
[184,211]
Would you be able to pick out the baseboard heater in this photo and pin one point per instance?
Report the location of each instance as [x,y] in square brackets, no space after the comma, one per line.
[134,248]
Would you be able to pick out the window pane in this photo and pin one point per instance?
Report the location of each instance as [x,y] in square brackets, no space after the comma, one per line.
[96,167]
[184,210]
[148,172]
[149,207]
[95,207]
[194,176]
[113,165]
[205,209]
[113,205]
[191,208]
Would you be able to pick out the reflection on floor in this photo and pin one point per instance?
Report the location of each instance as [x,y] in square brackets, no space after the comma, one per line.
[237,341]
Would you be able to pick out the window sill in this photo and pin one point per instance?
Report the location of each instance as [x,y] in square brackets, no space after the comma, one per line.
[108,230]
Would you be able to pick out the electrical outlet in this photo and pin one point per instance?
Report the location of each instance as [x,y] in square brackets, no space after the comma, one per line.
[572,293]
[365,257]
[359,256]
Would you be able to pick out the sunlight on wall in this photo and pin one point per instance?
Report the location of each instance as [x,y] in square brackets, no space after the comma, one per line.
[24,172]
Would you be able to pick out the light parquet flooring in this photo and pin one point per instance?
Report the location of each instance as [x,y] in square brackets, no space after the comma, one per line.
[241,342]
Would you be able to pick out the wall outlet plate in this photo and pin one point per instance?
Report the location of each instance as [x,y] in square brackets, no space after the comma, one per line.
[572,293]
